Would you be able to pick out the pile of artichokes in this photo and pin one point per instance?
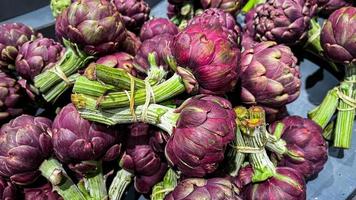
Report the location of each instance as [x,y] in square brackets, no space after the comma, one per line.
[190,107]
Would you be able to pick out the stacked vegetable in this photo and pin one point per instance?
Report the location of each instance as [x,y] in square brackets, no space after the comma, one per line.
[188,108]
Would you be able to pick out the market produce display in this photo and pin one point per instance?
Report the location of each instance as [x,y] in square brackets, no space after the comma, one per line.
[192,106]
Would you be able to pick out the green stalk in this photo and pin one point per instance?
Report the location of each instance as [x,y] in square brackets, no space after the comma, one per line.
[61,182]
[118,186]
[251,4]
[161,116]
[161,189]
[329,130]
[164,91]
[325,111]
[92,88]
[95,183]
[53,94]
[237,156]
[70,63]
[347,105]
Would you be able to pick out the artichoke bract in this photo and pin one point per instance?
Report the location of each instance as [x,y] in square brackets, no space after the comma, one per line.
[211,54]
[283,21]
[306,147]
[269,76]
[157,26]
[44,192]
[131,44]
[134,12]
[160,47]
[26,144]
[119,60]
[207,189]
[10,96]
[76,140]
[217,17]
[287,183]
[12,36]
[58,6]
[141,159]
[328,6]
[205,126]
[37,56]
[94,25]
[7,190]
[338,35]
[229,6]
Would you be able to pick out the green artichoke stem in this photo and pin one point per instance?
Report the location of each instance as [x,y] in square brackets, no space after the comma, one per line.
[251,4]
[161,189]
[325,111]
[346,109]
[55,92]
[161,92]
[70,63]
[53,171]
[161,116]
[95,183]
[238,157]
[92,88]
[329,131]
[118,186]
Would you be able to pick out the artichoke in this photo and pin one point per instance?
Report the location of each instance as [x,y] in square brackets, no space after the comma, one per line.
[282,21]
[269,76]
[287,183]
[9,97]
[141,159]
[217,17]
[306,149]
[205,126]
[207,189]
[328,6]
[213,60]
[160,46]
[94,25]
[58,6]
[12,36]
[26,143]
[76,140]
[131,44]
[338,36]
[134,12]
[157,26]
[229,6]
[37,56]
[44,192]
[119,60]
[7,190]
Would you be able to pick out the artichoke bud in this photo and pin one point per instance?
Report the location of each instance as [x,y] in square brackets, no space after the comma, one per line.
[190,82]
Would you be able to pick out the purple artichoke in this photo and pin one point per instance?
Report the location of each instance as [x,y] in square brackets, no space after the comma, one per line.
[307,150]
[207,189]
[119,60]
[172,10]
[217,17]
[229,6]
[338,35]
[141,159]
[44,192]
[205,126]
[37,56]
[131,44]
[12,36]
[269,76]
[160,46]
[286,184]
[329,6]
[26,143]
[134,12]
[76,140]
[95,25]
[211,55]
[7,190]
[157,26]
[282,21]
[9,97]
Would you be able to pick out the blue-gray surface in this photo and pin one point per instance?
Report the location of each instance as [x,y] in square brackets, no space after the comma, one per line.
[337,181]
